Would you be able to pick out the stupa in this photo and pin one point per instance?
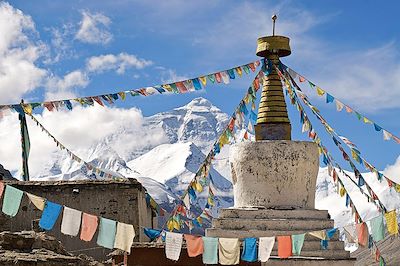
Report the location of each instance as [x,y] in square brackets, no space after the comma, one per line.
[274,178]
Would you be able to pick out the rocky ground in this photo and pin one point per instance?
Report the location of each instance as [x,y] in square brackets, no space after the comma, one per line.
[31,248]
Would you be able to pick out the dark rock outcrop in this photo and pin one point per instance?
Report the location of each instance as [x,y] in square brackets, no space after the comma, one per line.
[31,248]
[5,174]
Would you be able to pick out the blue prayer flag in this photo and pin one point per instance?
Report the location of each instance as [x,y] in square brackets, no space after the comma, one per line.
[49,216]
[249,252]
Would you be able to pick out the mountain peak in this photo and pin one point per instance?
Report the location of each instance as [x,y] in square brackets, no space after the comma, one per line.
[198,102]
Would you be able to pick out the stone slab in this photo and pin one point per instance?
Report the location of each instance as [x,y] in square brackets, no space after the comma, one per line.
[254,213]
[272,224]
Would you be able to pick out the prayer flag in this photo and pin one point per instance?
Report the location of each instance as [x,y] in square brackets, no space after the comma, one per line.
[25,145]
[329,98]
[229,251]
[377,228]
[152,233]
[249,252]
[339,106]
[71,221]
[173,245]
[297,243]
[107,229]
[265,246]
[321,234]
[88,227]
[194,245]
[124,237]
[320,91]
[362,234]
[284,246]
[210,254]
[386,135]
[49,216]
[391,222]
[12,200]
[203,80]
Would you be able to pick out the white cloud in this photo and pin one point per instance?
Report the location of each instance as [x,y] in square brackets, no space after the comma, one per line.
[170,75]
[120,63]
[81,128]
[62,88]
[94,28]
[393,171]
[359,78]
[18,54]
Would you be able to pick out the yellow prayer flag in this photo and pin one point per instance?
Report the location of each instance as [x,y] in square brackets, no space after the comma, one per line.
[122,95]
[39,202]
[27,108]
[320,91]
[170,225]
[319,234]
[203,80]
[239,71]
[391,222]
[199,187]
[367,121]
[342,191]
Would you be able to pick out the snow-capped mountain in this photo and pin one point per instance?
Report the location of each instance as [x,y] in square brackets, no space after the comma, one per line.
[184,135]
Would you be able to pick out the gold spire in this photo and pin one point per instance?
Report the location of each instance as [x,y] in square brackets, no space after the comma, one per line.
[272,119]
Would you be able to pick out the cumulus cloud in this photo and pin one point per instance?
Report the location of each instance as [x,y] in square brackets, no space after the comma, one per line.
[393,171]
[119,63]
[81,129]
[170,75]
[94,28]
[18,54]
[62,88]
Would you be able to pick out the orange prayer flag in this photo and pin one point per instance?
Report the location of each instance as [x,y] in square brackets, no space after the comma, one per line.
[362,234]
[284,246]
[194,245]
[89,226]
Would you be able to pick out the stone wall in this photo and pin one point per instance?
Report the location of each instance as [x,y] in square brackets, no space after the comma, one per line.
[122,201]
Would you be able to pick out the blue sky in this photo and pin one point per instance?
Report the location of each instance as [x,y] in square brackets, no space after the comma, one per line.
[57,49]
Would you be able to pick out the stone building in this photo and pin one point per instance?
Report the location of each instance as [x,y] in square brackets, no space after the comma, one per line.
[123,201]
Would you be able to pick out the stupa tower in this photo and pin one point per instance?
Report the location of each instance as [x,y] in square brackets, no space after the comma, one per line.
[274,178]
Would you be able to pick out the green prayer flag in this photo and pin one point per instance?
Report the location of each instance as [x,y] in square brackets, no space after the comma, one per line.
[377,228]
[25,145]
[12,200]
[297,243]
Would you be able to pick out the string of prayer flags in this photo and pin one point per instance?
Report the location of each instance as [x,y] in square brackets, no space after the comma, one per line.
[107,230]
[124,237]
[210,254]
[189,196]
[284,246]
[391,222]
[11,201]
[50,215]
[173,245]
[88,227]
[265,246]
[340,105]
[250,252]
[95,170]
[355,152]
[229,251]
[194,245]
[71,221]
[183,86]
